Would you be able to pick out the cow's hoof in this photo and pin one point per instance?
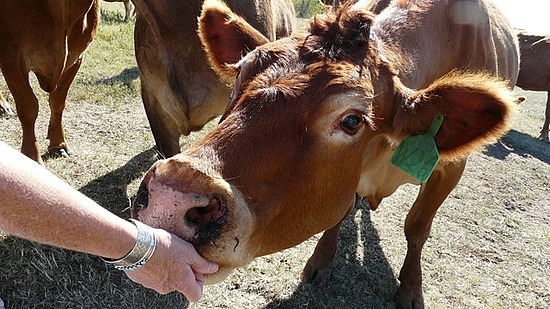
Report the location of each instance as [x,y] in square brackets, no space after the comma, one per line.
[5,110]
[409,298]
[315,275]
[544,137]
[59,152]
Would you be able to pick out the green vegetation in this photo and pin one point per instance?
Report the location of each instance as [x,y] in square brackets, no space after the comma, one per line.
[307,8]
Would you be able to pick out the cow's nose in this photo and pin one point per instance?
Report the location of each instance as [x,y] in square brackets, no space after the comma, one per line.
[206,214]
[141,200]
[207,220]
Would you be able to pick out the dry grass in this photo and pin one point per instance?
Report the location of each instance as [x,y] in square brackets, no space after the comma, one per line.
[489,246]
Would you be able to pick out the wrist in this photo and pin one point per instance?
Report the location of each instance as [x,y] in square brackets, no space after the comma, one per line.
[142,251]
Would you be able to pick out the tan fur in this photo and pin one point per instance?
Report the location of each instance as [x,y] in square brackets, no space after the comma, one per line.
[470,46]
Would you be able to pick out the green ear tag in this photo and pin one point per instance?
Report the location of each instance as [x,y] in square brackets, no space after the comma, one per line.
[418,155]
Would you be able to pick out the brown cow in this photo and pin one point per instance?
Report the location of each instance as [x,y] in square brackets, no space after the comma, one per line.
[47,38]
[179,90]
[534,70]
[314,119]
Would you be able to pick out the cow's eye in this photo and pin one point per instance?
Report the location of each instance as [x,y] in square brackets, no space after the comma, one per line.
[351,123]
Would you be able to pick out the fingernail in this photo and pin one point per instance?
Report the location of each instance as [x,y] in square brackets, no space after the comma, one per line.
[213,267]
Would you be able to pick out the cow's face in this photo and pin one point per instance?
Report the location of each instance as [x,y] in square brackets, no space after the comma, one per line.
[286,159]
[282,165]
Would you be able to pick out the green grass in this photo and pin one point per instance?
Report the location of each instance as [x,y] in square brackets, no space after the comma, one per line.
[489,246]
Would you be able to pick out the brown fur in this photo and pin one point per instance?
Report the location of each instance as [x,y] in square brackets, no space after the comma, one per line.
[315,119]
[209,23]
[47,38]
[456,86]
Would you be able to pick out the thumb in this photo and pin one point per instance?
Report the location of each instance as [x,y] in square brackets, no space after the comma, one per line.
[202,265]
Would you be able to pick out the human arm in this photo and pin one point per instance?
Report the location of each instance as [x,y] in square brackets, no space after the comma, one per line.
[38,206]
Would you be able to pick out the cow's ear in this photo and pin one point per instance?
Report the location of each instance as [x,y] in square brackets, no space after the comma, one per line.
[226,37]
[477,109]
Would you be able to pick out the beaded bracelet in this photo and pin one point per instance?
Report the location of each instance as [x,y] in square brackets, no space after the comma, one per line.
[142,251]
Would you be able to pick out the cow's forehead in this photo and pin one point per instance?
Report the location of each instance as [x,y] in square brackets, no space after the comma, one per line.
[334,55]
[270,61]
[286,68]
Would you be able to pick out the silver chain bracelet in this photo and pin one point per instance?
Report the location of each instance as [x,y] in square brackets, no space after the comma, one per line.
[143,250]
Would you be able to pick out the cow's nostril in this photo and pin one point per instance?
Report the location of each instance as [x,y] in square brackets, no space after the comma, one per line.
[206,214]
[141,200]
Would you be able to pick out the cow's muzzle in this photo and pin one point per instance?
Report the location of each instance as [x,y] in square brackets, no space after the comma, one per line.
[197,217]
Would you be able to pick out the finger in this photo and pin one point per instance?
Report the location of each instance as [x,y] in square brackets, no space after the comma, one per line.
[192,292]
[202,265]
[188,285]
[198,276]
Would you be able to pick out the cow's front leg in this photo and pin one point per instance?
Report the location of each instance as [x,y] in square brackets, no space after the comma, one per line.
[57,100]
[319,265]
[164,127]
[26,105]
[417,228]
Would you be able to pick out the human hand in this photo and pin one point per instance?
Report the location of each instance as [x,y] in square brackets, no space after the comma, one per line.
[175,266]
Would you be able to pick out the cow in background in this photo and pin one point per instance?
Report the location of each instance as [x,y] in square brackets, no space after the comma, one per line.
[180,91]
[315,120]
[127,8]
[534,70]
[47,38]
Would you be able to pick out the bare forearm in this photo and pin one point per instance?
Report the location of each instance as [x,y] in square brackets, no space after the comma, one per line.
[36,205]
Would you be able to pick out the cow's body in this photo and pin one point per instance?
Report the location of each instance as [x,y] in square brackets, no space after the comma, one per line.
[47,38]
[315,119]
[180,91]
[534,73]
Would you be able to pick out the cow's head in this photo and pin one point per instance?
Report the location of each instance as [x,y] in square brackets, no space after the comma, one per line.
[286,159]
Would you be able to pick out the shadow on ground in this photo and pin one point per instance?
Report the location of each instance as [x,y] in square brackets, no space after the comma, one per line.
[125,77]
[522,144]
[372,276]
[111,188]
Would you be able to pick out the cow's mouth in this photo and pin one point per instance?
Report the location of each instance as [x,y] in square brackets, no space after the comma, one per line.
[198,218]
[202,209]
